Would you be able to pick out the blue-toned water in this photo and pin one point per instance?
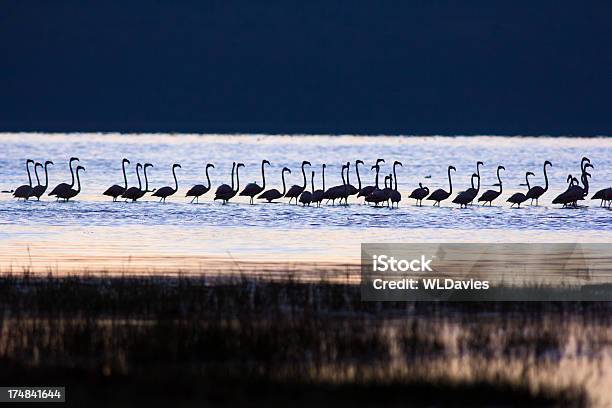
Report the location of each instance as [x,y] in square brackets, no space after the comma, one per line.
[94,227]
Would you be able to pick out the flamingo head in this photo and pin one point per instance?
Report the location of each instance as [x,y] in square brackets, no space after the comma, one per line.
[324,165]
[306,162]
[500,168]
[38,164]
[380,161]
[138,166]
[358,162]
[479,163]
[147,165]
[420,185]
[398,163]
[286,169]
[588,165]
[238,165]
[80,168]
[529,174]
[547,162]
[452,168]
[569,178]
[265,162]
[48,162]
[74,159]
[125,161]
[210,165]
[175,165]
[29,161]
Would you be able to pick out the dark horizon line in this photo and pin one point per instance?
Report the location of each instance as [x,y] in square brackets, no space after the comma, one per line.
[234,129]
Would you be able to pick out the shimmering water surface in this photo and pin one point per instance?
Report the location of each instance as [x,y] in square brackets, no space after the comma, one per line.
[96,233]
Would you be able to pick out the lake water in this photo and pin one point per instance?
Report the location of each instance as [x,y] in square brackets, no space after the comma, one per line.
[94,233]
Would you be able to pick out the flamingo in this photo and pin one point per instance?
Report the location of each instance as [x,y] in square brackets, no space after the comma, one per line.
[62,187]
[336,192]
[519,198]
[440,194]
[306,196]
[536,192]
[419,194]
[366,191]
[574,193]
[252,189]
[167,191]
[138,193]
[134,193]
[490,195]
[199,190]
[317,196]
[465,197]
[71,192]
[39,190]
[395,196]
[25,191]
[116,190]
[472,192]
[295,190]
[351,189]
[378,196]
[605,195]
[226,194]
[274,194]
[224,188]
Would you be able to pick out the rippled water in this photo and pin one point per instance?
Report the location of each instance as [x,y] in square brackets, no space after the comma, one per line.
[175,233]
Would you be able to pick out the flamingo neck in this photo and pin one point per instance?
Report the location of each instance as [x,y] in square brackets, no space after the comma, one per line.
[72,174]
[450,183]
[304,176]
[175,180]
[78,181]
[124,175]
[500,182]
[263,177]
[394,178]
[207,177]
[233,168]
[323,178]
[545,179]
[284,186]
[36,174]
[138,175]
[312,182]
[343,180]
[144,169]
[527,181]
[28,170]
[358,178]
[46,175]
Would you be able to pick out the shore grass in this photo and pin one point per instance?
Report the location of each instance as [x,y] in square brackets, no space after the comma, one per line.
[251,341]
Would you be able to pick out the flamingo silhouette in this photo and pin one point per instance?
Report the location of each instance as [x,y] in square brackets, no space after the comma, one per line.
[71,192]
[274,194]
[441,194]
[167,191]
[62,188]
[252,189]
[295,190]
[25,191]
[490,195]
[39,190]
[116,190]
[536,192]
[225,194]
[199,190]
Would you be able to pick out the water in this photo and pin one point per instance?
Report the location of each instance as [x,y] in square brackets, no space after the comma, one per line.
[93,232]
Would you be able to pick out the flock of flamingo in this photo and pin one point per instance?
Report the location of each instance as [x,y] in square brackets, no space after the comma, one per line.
[372,194]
